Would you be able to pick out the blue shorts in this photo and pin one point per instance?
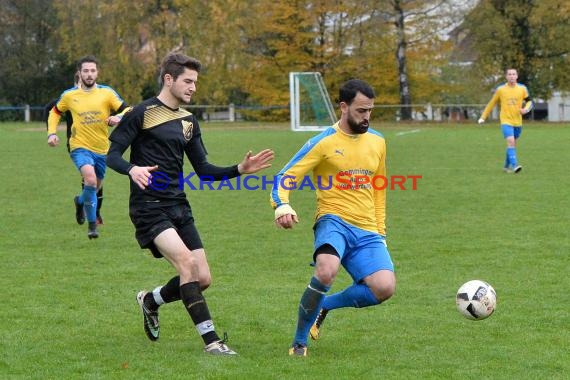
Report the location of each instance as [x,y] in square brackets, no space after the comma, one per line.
[510,131]
[82,157]
[361,252]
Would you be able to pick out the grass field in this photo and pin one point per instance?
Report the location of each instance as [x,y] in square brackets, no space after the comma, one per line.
[69,309]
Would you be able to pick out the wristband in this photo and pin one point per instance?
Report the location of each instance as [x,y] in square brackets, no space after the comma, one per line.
[284,209]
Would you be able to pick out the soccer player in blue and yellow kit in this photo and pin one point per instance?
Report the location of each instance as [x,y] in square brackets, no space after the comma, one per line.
[514,101]
[348,165]
[113,121]
[91,106]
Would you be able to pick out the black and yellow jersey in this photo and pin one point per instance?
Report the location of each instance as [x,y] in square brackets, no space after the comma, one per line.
[160,135]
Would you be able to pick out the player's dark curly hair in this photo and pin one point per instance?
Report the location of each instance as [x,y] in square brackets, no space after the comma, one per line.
[175,64]
[349,89]
[87,58]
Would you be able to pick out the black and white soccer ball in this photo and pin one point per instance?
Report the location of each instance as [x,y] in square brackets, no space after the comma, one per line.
[476,300]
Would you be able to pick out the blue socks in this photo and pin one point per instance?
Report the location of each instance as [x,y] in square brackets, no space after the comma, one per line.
[309,308]
[314,299]
[89,199]
[511,157]
[356,295]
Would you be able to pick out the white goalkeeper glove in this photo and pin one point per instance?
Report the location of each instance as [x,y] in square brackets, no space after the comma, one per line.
[481,120]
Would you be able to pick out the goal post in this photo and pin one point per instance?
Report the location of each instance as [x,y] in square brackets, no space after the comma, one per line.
[311,106]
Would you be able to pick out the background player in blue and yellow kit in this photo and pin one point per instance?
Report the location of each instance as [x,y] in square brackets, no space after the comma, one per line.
[113,121]
[91,106]
[514,101]
[345,161]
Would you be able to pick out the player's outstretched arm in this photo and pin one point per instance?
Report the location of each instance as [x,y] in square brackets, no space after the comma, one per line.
[254,163]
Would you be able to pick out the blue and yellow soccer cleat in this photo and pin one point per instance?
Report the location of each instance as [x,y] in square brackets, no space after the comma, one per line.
[315,331]
[298,350]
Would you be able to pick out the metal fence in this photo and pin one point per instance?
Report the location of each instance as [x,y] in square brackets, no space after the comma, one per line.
[231,112]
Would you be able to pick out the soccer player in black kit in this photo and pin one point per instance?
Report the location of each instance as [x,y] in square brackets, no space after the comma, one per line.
[159,133]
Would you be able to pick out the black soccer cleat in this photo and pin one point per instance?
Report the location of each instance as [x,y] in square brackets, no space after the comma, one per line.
[92,232]
[150,318]
[79,211]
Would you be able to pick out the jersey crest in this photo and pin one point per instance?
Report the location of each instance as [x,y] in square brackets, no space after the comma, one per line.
[187,127]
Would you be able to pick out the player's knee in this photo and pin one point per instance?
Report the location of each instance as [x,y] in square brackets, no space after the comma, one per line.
[326,268]
[384,293]
[187,267]
[325,275]
[90,180]
[205,280]
[383,287]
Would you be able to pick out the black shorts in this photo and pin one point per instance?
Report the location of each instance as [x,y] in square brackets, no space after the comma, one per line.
[150,220]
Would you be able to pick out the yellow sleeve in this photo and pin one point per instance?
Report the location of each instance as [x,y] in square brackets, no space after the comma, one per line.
[380,196]
[528,103]
[492,103]
[116,102]
[293,174]
[53,119]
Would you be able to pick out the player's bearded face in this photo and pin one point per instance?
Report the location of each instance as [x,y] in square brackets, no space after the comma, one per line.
[356,126]
[358,115]
[88,74]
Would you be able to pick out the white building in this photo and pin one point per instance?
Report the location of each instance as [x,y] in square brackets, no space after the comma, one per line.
[559,107]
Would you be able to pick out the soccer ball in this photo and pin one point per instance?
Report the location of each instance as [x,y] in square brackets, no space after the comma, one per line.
[476,300]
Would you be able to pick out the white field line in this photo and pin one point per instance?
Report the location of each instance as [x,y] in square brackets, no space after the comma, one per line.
[408,132]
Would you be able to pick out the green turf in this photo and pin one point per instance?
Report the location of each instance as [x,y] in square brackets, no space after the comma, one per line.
[69,311]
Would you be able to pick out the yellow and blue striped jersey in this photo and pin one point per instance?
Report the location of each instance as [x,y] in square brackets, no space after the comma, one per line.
[511,99]
[89,111]
[348,174]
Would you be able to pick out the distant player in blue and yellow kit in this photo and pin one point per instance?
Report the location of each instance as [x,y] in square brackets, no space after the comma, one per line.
[91,106]
[69,123]
[515,101]
[348,166]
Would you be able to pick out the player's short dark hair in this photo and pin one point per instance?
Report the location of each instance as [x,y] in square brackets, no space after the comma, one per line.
[87,58]
[349,89]
[175,64]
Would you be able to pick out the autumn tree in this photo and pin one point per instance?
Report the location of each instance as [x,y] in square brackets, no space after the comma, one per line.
[119,35]
[420,47]
[336,38]
[528,35]
[31,66]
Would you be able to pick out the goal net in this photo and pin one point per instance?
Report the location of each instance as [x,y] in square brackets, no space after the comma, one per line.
[311,106]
